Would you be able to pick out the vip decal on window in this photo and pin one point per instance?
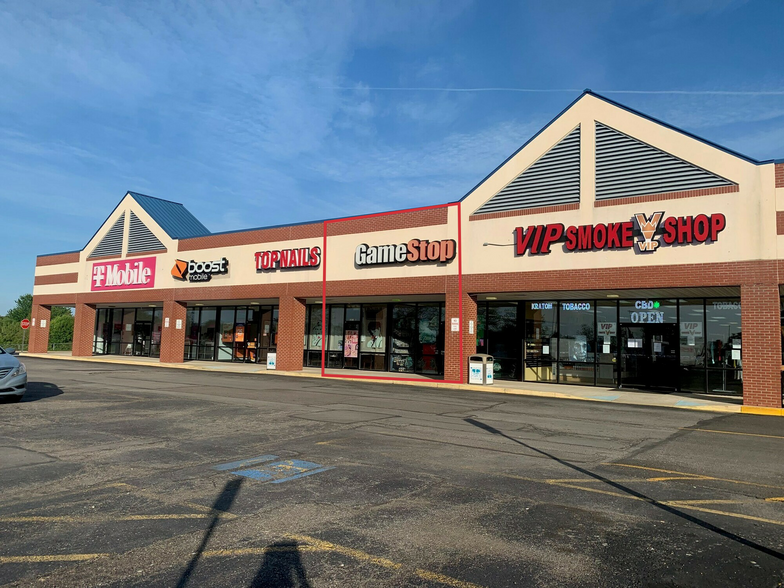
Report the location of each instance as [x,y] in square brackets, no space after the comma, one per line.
[647,232]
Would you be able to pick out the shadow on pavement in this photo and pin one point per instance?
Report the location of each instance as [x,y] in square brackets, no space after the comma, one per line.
[222,504]
[665,507]
[281,567]
[35,391]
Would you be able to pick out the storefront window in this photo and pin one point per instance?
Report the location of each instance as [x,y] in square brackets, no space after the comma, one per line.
[692,345]
[481,328]
[157,329]
[403,340]
[723,345]
[207,333]
[373,337]
[226,339]
[313,334]
[541,343]
[606,342]
[429,348]
[576,343]
[102,330]
[335,338]
[191,333]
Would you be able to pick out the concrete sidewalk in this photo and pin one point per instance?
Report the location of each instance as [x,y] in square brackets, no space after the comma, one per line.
[682,400]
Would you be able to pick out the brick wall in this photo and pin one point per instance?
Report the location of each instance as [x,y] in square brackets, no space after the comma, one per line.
[761,344]
[70,278]
[667,196]
[779,222]
[39,336]
[252,237]
[455,364]
[57,259]
[525,211]
[172,338]
[84,330]
[291,333]
[425,217]
[780,175]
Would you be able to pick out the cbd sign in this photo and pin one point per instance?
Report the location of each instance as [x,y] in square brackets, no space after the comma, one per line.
[123,275]
[647,232]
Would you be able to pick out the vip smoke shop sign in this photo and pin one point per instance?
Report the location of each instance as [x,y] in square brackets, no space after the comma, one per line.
[646,232]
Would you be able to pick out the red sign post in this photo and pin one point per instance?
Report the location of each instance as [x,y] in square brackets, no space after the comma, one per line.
[25,325]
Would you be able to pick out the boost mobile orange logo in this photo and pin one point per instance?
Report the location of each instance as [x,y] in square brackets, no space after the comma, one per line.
[180,269]
[648,228]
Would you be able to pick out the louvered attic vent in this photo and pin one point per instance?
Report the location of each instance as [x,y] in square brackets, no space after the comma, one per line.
[628,167]
[140,238]
[111,244]
[553,179]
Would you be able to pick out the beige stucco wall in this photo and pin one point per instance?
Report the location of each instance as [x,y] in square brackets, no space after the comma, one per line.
[750,233]
[751,221]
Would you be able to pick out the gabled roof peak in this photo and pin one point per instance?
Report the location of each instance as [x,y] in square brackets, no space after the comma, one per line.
[171,216]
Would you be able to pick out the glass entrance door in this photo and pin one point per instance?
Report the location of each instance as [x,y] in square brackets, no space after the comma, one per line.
[649,355]
[142,335]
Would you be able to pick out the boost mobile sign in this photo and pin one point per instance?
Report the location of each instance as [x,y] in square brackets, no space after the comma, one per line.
[648,233]
[199,271]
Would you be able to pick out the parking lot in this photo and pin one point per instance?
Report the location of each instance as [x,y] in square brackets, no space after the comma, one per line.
[118,475]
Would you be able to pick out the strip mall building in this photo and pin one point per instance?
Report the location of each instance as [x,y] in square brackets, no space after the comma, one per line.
[610,250]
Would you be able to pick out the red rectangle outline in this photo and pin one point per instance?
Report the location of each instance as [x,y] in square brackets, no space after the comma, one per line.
[459,288]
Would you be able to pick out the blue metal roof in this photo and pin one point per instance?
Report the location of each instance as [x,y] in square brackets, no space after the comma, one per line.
[172,217]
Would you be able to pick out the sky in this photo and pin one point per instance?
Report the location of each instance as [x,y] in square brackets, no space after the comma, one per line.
[262,113]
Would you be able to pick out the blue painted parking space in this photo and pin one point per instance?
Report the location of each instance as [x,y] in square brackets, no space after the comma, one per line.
[234,465]
[276,472]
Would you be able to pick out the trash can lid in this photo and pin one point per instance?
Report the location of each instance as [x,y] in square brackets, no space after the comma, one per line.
[481,357]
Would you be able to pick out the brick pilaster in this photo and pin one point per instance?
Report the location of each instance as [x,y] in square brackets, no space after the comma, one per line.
[84,330]
[39,335]
[291,333]
[172,338]
[455,365]
[760,318]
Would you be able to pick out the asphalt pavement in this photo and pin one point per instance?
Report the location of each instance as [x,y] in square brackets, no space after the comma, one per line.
[116,475]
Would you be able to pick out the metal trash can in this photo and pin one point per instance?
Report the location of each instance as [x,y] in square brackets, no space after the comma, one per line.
[480,369]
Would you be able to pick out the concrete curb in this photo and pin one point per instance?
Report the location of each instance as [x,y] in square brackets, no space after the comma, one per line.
[426,383]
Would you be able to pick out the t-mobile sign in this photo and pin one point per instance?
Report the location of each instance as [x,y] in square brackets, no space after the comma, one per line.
[123,275]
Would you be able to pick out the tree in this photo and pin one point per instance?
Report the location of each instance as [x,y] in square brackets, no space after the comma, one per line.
[23,308]
[61,331]
[10,333]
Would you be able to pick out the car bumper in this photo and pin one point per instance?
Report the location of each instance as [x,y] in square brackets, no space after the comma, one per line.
[15,386]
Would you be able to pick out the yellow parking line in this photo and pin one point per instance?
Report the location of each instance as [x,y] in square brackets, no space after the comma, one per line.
[311,544]
[716,501]
[669,478]
[693,476]
[775,499]
[442,579]
[676,504]
[733,433]
[347,551]
[102,519]
[48,558]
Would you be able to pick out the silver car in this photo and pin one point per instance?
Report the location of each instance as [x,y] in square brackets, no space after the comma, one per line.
[13,376]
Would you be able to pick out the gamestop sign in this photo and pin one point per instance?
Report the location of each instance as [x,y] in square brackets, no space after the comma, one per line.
[123,275]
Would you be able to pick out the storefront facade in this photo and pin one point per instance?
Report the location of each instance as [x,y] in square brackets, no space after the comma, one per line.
[610,250]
